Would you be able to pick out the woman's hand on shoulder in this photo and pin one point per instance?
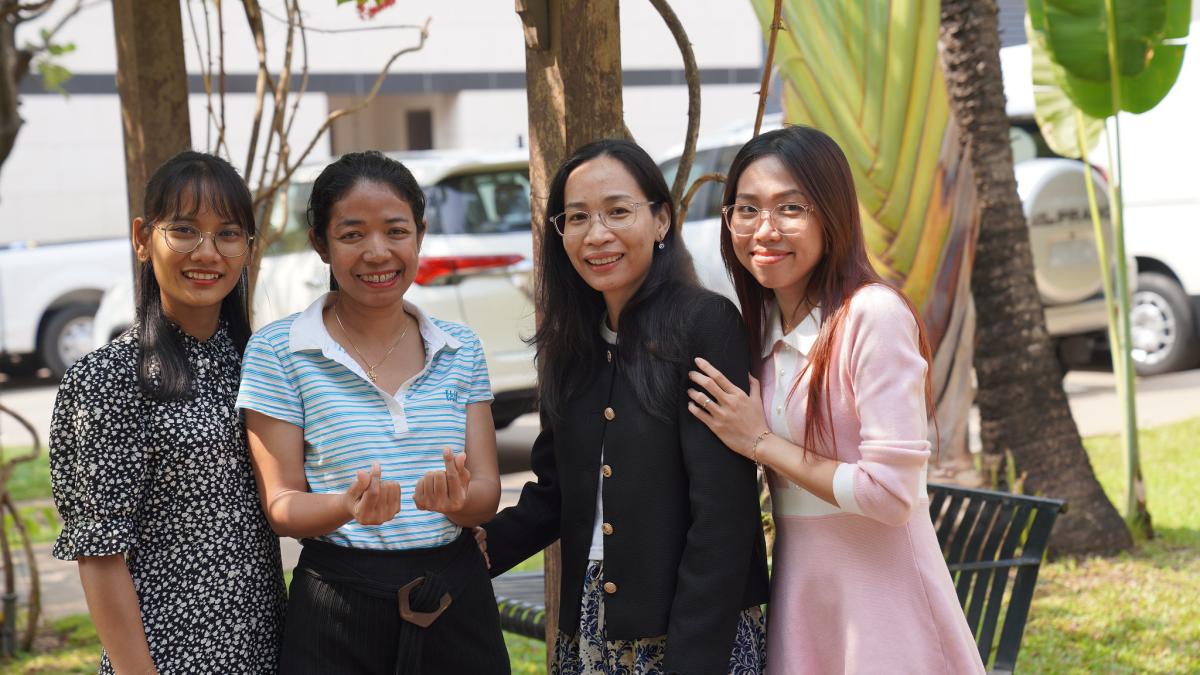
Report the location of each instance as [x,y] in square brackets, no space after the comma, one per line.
[444,491]
[733,415]
[481,542]
[370,499]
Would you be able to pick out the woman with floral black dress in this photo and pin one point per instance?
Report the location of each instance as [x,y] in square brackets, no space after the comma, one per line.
[148,456]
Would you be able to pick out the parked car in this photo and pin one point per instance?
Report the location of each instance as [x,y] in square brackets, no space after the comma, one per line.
[1054,200]
[476,262]
[48,296]
[1162,212]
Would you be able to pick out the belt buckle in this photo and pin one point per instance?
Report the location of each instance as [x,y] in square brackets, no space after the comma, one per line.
[422,619]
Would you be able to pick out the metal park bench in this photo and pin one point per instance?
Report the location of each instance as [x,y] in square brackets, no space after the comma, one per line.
[993,543]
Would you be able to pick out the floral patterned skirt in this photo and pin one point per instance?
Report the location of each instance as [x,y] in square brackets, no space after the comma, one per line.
[588,652]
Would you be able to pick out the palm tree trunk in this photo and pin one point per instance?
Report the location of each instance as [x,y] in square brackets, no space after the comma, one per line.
[1023,408]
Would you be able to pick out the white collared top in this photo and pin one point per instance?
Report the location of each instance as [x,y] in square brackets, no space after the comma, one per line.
[596,550]
[790,361]
[296,372]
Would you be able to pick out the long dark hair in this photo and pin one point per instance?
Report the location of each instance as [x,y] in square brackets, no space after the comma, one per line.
[817,163]
[180,188]
[349,170]
[652,344]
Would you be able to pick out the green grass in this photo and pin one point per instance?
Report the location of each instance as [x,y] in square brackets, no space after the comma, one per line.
[30,480]
[1136,612]
[68,645]
[526,656]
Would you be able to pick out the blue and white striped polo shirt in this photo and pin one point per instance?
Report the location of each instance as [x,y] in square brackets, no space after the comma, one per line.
[296,372]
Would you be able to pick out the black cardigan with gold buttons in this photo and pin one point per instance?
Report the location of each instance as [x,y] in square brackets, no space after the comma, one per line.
[683,541]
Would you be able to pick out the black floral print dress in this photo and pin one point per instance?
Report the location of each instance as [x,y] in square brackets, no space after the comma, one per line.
[169,485]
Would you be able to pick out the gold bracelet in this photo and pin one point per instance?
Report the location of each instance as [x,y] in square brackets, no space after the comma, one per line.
[754,448]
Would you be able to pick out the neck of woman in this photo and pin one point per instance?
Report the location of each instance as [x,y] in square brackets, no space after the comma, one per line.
[794,304]
[374,323]
[199,322]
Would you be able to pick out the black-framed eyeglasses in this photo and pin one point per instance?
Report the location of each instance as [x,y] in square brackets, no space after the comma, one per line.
[616,216]
[788,218]
[230,242]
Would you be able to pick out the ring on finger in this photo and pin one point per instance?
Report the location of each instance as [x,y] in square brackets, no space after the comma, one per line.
[705,402]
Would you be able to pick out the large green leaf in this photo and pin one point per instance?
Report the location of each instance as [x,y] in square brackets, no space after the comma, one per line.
[1076,32]
[868,73]
[1053,109]
[1150,36]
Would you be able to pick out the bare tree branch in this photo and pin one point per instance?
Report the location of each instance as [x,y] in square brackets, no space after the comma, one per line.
[692,74]
[765,85]
[338,114]
[303,87]
[205,67]
[254,18]
[279,109]
[687,198]
[79,6]
[33,11]
[334,31]
[221,142]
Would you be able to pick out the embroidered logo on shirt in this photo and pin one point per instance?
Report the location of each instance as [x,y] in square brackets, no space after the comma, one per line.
[452,395]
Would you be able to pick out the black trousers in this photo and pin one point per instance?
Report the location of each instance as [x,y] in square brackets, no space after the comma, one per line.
[343,613]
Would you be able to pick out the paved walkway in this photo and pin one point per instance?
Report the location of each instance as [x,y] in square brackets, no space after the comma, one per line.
[1161,400]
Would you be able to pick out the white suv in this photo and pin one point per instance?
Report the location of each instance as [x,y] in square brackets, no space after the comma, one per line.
[476,263]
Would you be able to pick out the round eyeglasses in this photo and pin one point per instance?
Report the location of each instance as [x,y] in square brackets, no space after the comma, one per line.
[745,219]
[616,216]
[231,242]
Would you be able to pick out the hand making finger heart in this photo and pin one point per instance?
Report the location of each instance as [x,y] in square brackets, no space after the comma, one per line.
[444,491]
[370,499]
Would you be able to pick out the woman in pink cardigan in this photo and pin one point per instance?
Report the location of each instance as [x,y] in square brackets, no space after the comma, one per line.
[838,416]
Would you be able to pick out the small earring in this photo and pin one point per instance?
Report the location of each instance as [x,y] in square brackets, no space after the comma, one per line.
[661,245]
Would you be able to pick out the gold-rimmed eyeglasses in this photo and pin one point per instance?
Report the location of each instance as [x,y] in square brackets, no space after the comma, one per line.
[615,216]
[230,242]
[788,218]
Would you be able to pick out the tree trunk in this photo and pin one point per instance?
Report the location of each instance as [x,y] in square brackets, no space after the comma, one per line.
[1022,405]
[152,83]
[10,112]
[573,83]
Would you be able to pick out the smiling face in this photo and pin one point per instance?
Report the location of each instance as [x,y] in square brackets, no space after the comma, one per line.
[372,245]
[613,262]
[781,263]
[197,281]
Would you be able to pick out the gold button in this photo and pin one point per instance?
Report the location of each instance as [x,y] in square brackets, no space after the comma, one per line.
[606,471]
[610,587]
[606,528]
[610,414]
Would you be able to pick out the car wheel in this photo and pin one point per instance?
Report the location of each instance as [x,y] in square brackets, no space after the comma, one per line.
[66,337]
[1164,328]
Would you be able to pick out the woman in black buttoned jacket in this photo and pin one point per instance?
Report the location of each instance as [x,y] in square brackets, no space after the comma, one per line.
[622,321]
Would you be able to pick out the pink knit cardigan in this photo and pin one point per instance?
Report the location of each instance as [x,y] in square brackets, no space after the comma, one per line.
[862,587]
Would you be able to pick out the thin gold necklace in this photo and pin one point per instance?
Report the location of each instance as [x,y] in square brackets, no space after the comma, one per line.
[795,311]
[370,368]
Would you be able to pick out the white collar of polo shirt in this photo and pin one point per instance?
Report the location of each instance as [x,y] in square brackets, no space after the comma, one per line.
[802,338]
[308,331]
[607,334]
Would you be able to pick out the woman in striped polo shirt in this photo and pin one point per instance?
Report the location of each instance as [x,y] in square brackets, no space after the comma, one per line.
[371,433]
